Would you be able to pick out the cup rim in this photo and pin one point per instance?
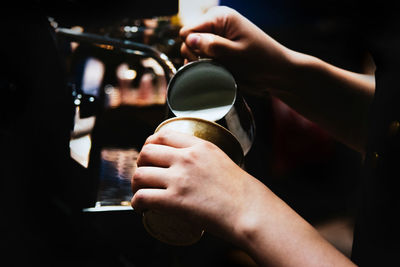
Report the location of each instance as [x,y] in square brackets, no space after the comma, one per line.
[195,119]
[214,124]
[190,65]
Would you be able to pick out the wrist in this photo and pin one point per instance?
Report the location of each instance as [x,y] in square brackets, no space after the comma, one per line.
[274,234]
[253,218]
[294,71]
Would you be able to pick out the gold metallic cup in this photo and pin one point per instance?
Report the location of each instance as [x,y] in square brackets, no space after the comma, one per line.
[204,98]
[177,231]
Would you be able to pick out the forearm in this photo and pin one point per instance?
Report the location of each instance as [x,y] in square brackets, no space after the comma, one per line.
[275,235]
[336,99]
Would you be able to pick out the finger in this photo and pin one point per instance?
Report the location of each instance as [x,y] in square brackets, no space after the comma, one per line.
[149,177]
[211,45]
[153,154]
[174,139]
[214,21]
[149,199]
[205,24]
[188,54]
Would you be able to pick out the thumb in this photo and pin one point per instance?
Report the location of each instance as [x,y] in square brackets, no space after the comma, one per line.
[210,45]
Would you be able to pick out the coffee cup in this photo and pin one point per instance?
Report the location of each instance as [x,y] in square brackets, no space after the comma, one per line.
[206,89]
[203,101]
[178,231]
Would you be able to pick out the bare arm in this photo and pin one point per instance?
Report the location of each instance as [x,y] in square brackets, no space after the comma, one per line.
[277,236]
[338,100]
[192,178]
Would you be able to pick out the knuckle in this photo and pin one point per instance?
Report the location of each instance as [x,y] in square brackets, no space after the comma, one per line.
[183,49]
[220,10]
[189,156]
[222,14]
[158,137]
[161,136]
[149,139]
[137,180]
[146,149]
[192,155]
[138,200]
[229,12]
[211,45]
[215,47]
[137,177]
[207,146]
[187,53]
[181,188]
[143,155]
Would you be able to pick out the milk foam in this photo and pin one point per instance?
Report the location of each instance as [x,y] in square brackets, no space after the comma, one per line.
[202,90]
[211,114]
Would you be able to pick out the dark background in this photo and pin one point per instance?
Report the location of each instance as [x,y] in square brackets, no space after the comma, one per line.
[44,191]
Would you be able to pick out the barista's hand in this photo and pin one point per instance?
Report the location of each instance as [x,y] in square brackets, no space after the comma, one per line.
[186,176]
[183,175]
[258,62]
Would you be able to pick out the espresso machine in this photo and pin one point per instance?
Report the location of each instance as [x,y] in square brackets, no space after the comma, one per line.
[119,60]
[119,65]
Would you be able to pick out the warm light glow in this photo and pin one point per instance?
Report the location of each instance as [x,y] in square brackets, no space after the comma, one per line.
[152,63]
[125,73]
[191,10]
[92,76]
[130,74]
[80,149]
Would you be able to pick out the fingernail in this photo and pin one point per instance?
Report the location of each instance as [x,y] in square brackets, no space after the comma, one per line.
[193,40]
